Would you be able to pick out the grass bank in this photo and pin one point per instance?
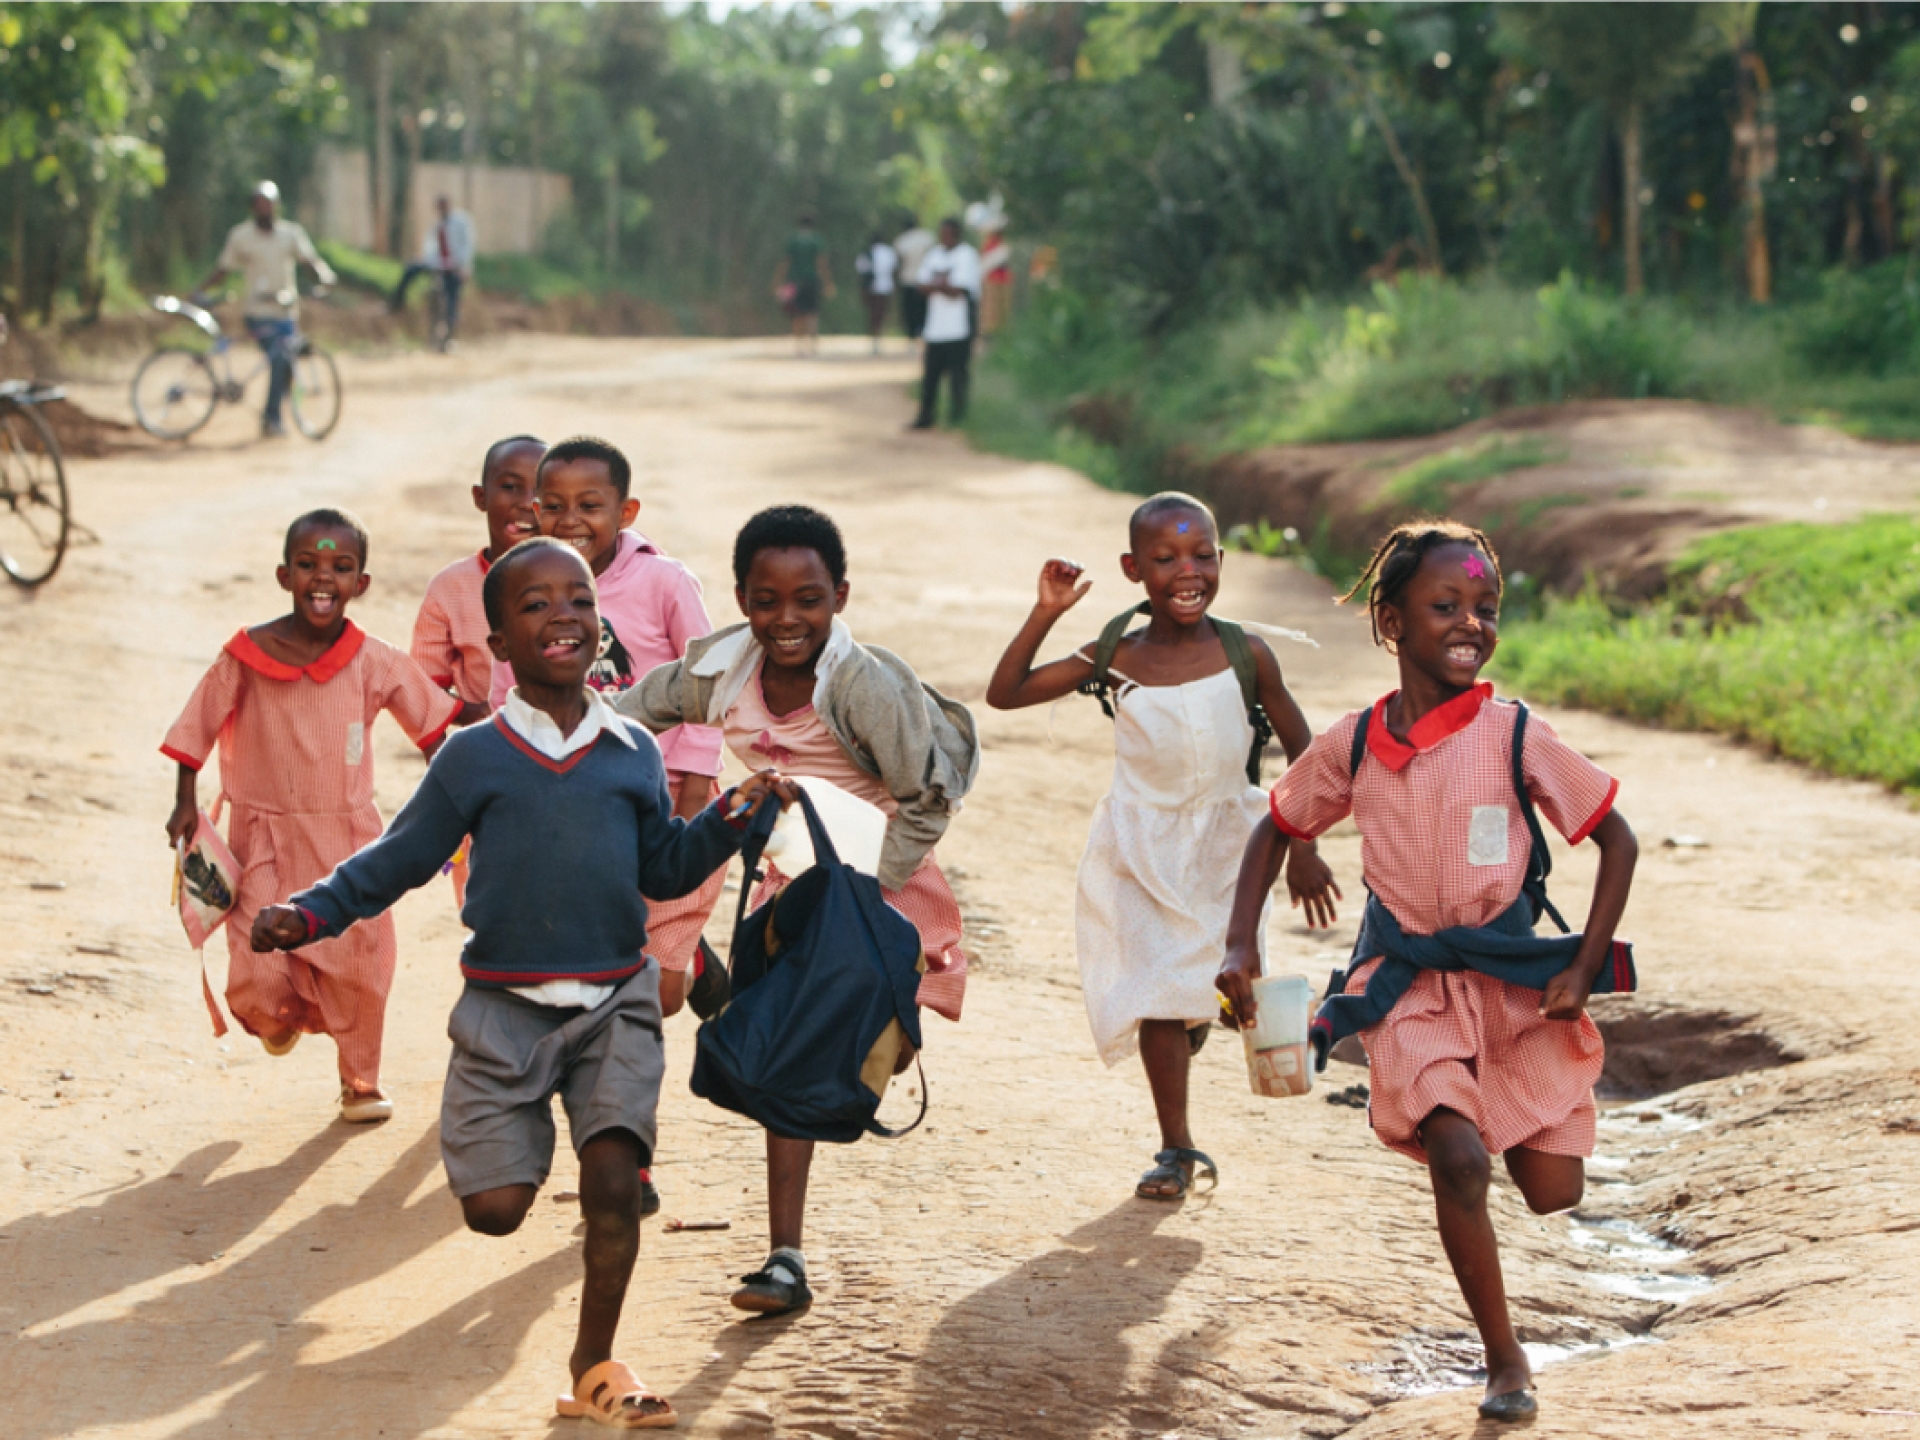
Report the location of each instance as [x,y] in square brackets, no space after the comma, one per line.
[1801,638]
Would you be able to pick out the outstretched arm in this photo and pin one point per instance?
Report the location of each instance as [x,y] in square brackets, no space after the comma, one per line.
[1016,684]
[1566,994]
[1310,880]
[1259,868]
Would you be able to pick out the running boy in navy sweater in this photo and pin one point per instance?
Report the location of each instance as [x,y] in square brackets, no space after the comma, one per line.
[560,995]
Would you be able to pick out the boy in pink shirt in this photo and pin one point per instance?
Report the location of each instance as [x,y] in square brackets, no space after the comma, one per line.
[450,633]
[289,705]
[650,608]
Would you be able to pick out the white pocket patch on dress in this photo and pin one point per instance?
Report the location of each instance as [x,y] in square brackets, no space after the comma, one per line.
[1487,836]
[357,747]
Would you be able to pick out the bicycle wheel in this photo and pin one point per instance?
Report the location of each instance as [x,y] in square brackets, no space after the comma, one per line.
[316,393]
[33,497]
[174,392]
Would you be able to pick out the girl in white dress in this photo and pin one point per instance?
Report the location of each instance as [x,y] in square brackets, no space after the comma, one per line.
[1157,878]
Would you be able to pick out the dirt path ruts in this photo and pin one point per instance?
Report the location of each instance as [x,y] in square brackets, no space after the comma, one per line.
[195,1249]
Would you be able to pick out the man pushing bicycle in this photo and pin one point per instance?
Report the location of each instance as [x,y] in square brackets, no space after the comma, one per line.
[268,251]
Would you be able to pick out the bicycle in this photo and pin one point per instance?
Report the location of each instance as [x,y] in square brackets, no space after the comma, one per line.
[35,521]
[178,387]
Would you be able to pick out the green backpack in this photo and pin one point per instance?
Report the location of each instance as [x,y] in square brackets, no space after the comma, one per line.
[1233,640]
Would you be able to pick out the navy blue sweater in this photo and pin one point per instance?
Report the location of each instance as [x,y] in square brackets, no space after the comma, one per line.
[561,853]
[1506,949]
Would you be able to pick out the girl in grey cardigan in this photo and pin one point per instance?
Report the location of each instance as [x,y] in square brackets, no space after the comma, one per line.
[793,683]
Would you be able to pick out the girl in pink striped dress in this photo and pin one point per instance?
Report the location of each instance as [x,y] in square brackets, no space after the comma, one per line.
[1465,1065]
[793,682]
[288,704]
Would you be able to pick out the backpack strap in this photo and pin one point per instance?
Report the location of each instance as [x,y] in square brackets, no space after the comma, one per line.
[1100,683]
[1233,639]
[1539,858]
[1358,752]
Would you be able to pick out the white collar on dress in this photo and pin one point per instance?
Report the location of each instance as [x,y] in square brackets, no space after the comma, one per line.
[735,659]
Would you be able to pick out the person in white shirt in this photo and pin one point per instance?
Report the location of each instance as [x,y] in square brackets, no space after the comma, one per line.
[447,251]
[950,278]
[877,265]
[912,246]
[268,252]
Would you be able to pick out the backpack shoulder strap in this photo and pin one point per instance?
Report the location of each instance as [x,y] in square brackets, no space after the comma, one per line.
[1233,639]
[1539,858]
[1358,752]
[1100,683]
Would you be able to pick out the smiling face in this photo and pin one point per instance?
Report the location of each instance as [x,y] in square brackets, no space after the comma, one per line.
[550,624]
[323,574]
[506,497]
[580,506]
[1176,556]
[790,599]
[1448,622]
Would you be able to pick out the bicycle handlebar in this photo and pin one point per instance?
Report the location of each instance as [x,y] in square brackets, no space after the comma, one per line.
[187,310]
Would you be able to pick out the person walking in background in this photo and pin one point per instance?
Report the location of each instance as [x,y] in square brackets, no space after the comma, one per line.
[448,251]
[996,301]
[801,283]
[912,245]
[878,265]
[268,251]
[950,277]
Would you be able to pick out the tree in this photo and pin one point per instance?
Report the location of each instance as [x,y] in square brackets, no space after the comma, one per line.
[1624,57]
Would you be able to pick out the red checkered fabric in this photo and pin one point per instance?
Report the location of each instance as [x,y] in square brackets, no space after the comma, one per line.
[450,632]
[1443,843]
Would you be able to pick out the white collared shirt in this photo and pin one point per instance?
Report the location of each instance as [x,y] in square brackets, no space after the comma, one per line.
[542,732]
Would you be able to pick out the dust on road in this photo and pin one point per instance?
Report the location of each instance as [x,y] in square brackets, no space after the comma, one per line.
[195,1248]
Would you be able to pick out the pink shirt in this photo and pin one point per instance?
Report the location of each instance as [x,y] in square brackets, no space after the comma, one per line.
[650,607]
[1442,839]
[799,743]
[450,633]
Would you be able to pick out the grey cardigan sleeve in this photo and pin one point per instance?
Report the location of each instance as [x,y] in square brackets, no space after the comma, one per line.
[665,697]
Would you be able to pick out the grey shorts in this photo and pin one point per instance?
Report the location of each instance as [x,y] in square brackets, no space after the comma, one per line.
[511,1057]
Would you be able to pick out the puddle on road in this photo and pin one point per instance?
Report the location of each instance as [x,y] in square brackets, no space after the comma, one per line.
[1427,1362]
[1633,1261]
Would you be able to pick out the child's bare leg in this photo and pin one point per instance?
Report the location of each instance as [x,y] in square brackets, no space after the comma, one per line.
[789,1163]
[673,992]
[610,1203]
[1460,1169]
[1549,1183]
[499,1211]
[1168,1056]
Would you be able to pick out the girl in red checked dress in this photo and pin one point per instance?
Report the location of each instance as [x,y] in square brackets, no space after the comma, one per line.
[1465,1064]
[289,705]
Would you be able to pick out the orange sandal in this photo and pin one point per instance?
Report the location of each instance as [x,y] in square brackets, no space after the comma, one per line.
[614,1396]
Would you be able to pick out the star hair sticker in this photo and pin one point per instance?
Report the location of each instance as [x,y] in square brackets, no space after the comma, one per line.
[1475,567]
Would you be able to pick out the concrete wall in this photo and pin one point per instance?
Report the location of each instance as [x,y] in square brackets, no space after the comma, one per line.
[337,201]
[510,205]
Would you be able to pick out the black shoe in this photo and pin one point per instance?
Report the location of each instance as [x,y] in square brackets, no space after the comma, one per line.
[779,1289]
[649,1195]
[712,988]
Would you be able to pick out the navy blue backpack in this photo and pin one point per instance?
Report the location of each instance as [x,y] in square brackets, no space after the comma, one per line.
[824,978]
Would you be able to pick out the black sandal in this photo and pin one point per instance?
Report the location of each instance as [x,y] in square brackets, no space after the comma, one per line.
[1197,1037]
[1167,1170]
[1510,1406]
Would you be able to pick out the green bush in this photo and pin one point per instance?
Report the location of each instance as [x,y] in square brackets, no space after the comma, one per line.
[360,269]
[1802,638]
[1864,322]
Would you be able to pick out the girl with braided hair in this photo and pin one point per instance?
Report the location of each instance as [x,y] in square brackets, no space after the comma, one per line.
[1475,1028]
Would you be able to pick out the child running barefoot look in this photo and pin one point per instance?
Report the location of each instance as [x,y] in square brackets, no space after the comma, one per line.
[1494,1054]
[450,634]
[289,705]
[1156,878]
[572,821]
[792,687]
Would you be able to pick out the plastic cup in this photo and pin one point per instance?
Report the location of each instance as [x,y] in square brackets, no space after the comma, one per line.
[1279,1057]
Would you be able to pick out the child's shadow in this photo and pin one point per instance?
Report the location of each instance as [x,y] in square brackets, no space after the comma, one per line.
[240,1325]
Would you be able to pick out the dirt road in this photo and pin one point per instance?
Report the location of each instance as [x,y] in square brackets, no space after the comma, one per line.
[194,1247]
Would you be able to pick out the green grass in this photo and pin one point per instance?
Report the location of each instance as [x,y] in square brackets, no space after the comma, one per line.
[361,269]
[1430,483]
[1801,638]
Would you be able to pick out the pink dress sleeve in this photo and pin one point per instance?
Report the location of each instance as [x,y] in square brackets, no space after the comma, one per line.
[408,693]
[693,749]
[433,648]
[1317,790]
[1572,792]
[209,711]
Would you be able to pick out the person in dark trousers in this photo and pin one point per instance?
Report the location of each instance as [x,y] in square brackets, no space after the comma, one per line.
[950,279]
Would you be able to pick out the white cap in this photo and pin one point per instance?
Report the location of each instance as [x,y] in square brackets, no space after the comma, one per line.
[267,188]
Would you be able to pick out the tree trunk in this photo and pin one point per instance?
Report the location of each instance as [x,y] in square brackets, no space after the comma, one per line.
[1630,202]
[1883,204]
[1753,145]
[410,127]
[613,214]
[21,194]
[383,152]
[1429,235]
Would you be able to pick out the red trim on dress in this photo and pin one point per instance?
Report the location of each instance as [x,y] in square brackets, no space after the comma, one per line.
[485,564]
[434,736]
[537,977]
[1285,826]
[244,648]
[1593,821]
[558,767]
[183,758]
[1428,731]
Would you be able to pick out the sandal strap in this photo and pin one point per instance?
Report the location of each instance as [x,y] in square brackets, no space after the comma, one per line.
[1199,1159]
